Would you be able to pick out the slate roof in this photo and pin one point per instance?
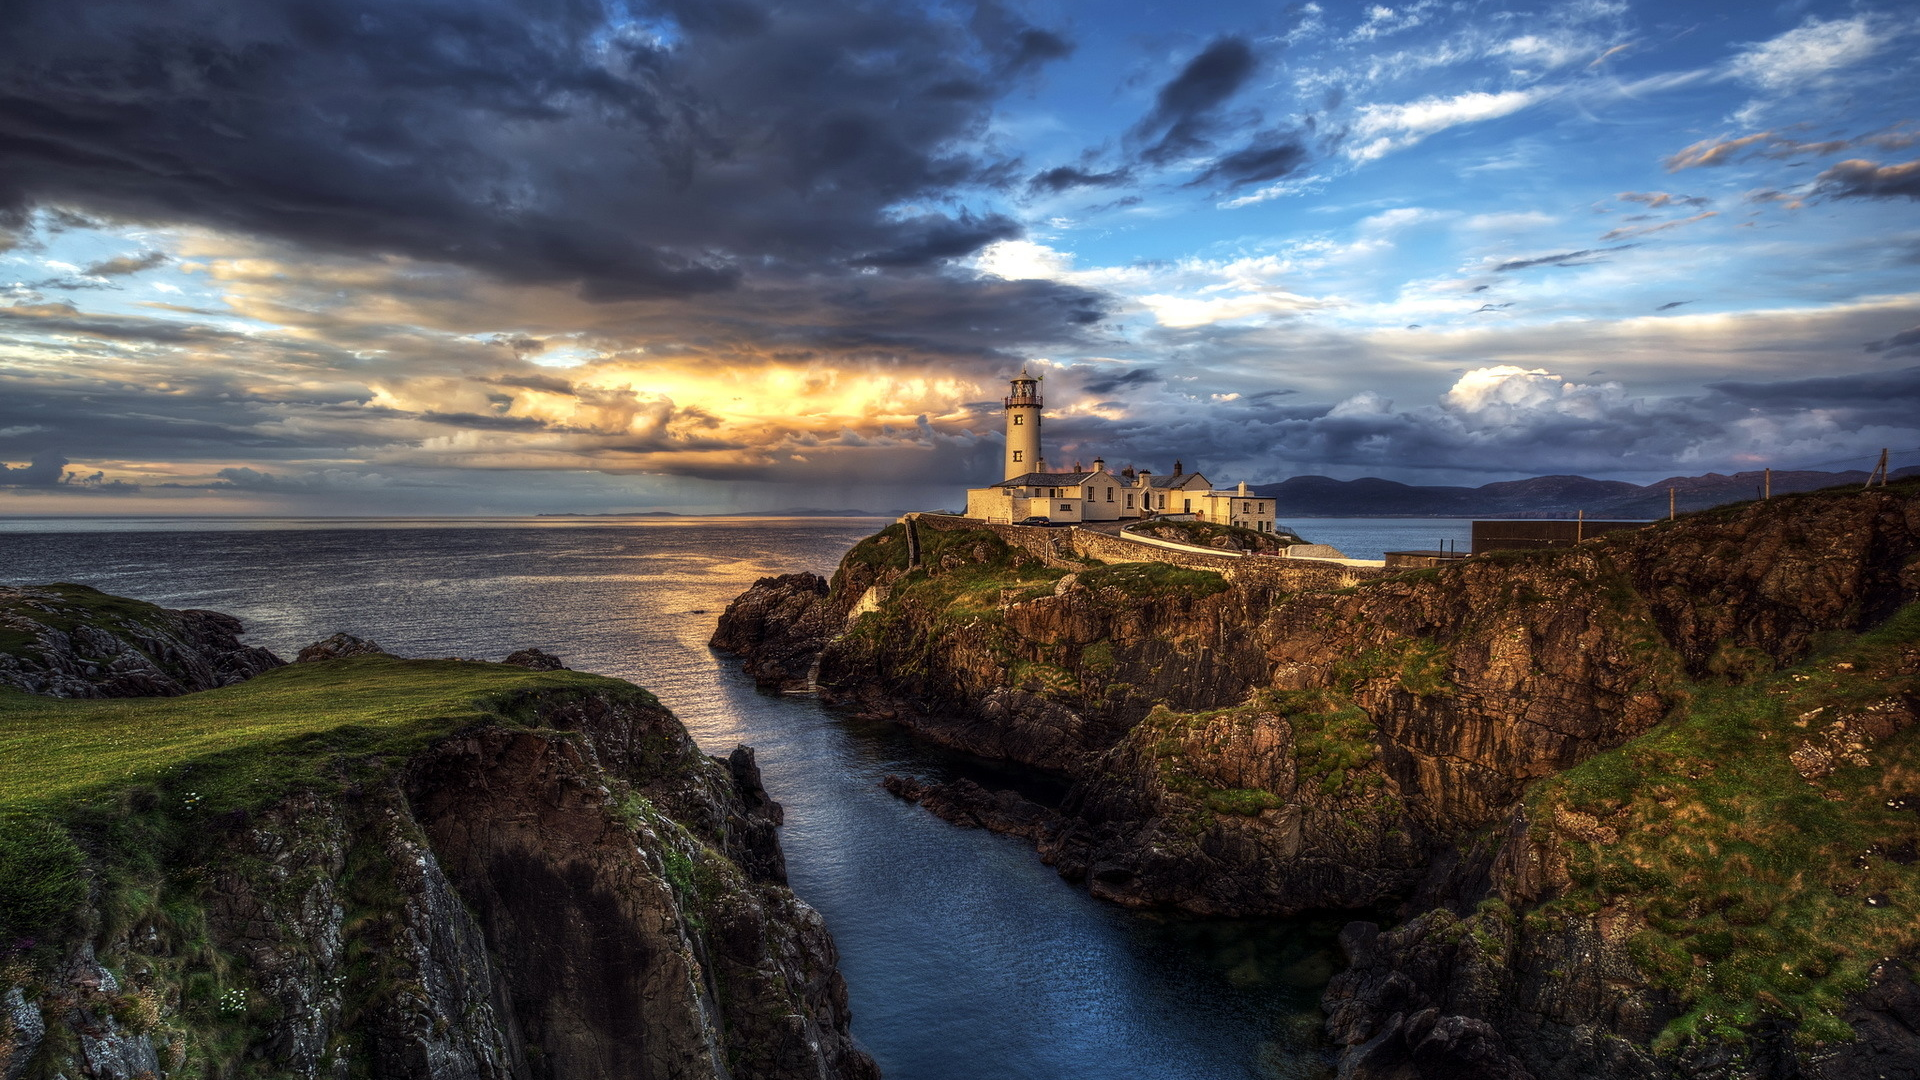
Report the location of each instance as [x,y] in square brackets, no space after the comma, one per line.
[1048,479]
[1179,480]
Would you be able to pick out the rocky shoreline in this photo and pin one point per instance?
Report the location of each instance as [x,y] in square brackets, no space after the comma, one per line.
[1238,748]
[562,887]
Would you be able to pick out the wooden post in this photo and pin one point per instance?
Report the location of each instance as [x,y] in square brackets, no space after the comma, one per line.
[1580,528]
[1766,492]
[1669,504]
[1880,470]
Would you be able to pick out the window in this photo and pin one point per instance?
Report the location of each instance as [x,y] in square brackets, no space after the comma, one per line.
[1188,508]
[1163,502]
[1066,508]
[1129,500]
[1109,494]
[1018,419]
[1017,455]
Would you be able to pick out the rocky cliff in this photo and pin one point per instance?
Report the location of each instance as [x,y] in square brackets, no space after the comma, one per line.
[75,641]
[396,868]
[1242,749]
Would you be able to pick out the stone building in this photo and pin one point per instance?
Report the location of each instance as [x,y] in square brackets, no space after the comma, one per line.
[1030,490]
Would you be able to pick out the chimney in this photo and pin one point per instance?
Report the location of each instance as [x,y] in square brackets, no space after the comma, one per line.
[1127,472]
[1243,487]
[1099,464]
[1176,467]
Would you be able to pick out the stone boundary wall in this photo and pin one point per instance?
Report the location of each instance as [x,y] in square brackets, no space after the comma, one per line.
[1058,546]
[1053,546]
[1290,574]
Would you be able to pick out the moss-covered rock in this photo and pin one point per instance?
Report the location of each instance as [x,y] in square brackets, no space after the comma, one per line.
[383,867]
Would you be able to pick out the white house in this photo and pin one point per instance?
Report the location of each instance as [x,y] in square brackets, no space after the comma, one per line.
[1031,491]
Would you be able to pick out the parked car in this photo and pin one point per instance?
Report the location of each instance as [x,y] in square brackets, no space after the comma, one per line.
[1034,521]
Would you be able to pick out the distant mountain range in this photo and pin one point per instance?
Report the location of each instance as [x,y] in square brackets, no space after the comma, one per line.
[792,511]
[1539,496]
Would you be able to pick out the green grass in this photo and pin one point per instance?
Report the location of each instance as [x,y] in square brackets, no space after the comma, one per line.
[1333,739]
[117,815]
[1419,665]
[266,733]
[137,778]
[1153,581]
[1334,743]
[1748,883]
[72,606]
[1204,533]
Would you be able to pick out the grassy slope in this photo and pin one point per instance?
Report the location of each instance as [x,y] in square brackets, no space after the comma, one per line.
[961,591]
[76,770]
[1204,533]
[71,607]
[264,734]
[1755,892]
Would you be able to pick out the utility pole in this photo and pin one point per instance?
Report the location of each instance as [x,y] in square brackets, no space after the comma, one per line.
[1580,527]
[1670,504]
[1880,470]
[1766,492]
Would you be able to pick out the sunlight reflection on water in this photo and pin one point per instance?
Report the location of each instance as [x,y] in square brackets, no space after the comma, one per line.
[964,956]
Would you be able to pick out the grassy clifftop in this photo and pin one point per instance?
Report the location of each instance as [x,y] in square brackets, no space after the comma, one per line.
[254,740]
[82,767]
[1757,851]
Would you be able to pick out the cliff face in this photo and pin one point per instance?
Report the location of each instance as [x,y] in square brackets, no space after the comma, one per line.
[558,886]
[1240,749]
[73,641]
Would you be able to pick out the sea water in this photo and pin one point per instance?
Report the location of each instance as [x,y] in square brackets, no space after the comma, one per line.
[965,957]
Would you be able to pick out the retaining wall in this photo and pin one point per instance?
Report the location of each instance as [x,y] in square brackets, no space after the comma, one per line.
[1058,546]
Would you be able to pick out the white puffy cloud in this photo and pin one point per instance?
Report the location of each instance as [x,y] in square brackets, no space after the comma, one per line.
[1182,312]
[1504,396]
[1379,130]
[1811,51]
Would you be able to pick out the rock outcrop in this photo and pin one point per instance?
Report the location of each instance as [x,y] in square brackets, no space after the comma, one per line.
[564,888]
[77,642]
[338,646]
[1238,749]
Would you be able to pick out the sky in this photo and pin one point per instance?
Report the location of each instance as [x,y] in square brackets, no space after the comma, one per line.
[525,256]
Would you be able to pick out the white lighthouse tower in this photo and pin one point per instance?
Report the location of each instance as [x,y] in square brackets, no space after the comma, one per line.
[1023,426]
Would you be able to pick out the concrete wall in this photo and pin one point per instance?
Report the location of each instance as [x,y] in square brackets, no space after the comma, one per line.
[1058,546]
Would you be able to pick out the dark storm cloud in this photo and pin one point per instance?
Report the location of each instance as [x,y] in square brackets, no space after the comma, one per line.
[547,383]
[45,470]
[1585,257]
[126,264]
[1068,177]
[1018,47]
[535,139]
[1269,157]
[1186,111]
[64,318]
[928,239]
[1889,398]
[210,420]
[1124,380]
[1904,343]
[1866,180]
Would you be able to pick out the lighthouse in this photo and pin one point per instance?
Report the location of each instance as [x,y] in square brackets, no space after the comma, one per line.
[1023,426]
